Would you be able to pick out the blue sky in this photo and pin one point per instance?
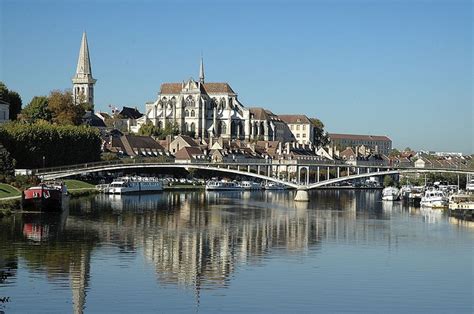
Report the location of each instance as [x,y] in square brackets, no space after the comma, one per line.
[396,68]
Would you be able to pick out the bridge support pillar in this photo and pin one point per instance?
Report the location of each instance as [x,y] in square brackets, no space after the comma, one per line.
[302,195]
[317,174]
[338,172]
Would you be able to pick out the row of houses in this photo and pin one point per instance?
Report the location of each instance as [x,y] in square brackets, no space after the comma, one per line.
[185,149]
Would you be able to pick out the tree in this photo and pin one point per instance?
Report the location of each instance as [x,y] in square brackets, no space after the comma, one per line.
[63,109]
[388,181]
[148,129]
[320,137]
[7,163]
[37,109]
[394,153]
[3,92]
[15,104]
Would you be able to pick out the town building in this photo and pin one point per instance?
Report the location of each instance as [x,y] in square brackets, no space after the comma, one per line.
[300,126]
[83,82]
[4,111]
[210,110]
[377,143]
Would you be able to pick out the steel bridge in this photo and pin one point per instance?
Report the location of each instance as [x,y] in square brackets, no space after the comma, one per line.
[295,175]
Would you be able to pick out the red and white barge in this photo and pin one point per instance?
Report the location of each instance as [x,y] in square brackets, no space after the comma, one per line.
[45,197]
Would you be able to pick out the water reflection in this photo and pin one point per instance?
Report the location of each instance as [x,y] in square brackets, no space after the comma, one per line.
[195,240]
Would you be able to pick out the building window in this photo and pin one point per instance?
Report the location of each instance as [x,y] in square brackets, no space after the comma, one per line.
[291,127]
[304,127]
[193,113]
[304,135]
[297,127]
[297,135]
[186,113]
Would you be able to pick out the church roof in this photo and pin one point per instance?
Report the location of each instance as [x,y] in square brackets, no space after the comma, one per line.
[209,88]
[262,114]
[130,113]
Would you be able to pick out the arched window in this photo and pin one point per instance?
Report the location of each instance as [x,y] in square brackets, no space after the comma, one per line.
[192,127]
[222,128]
[186,127]
[193,113]
[186,113]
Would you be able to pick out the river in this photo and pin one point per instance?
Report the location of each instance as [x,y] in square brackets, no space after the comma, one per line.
[187,252]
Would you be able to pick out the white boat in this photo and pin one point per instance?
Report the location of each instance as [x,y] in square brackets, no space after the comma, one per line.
[275,186]
[213,185]
[250,185]
[461,201]
[470,185]
[390,193]
[134,185]
[434,199]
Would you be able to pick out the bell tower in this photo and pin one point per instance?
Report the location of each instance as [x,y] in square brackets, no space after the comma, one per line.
[83,82]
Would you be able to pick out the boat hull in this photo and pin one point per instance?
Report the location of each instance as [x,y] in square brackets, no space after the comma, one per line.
[46,200]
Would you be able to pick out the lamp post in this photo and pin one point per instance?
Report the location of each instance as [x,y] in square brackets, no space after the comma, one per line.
[44,159]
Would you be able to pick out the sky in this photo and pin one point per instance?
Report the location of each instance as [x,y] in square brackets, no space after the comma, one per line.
[398,68]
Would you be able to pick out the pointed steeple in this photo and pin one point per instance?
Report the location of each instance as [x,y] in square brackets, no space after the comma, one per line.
[83,82]
[201,71]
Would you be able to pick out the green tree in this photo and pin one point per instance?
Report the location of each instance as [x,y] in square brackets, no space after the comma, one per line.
[63,109]
[394,153]
[388,181]
[3,92]
[37,109]
[148,129]
[7,163]
[15,104]
[320,137]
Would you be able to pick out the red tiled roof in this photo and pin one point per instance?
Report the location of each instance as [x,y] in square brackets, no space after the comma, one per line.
[294,118]
[356,137]
[188,153]
[209,88]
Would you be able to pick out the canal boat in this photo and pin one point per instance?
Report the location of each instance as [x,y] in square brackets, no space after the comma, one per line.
[250,185]
[46,197]
[415,195]
[470,185]
[390,193]
[275,186]
[434,198]
[461,201]
[214,185]
[126,185]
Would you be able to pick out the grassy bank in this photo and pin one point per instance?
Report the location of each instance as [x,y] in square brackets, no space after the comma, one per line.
[8,191]
[76,185]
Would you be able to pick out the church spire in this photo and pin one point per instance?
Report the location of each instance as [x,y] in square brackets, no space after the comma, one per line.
[83,82]
[201,71]
[84,63]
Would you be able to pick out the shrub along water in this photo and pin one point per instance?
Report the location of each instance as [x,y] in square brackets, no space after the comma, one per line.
[59,144]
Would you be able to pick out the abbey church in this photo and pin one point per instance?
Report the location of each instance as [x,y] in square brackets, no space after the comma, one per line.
[211,110]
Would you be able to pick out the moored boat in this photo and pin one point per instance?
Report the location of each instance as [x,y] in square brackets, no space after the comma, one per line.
[213,185]
[44,197]
[461,201]
[134,185]
[390,193]
[275,186]
[250,185]
[434,198]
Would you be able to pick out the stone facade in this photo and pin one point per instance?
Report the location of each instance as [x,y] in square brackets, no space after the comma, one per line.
[210,110]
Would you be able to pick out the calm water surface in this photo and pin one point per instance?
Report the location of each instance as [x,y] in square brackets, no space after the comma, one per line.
[345,251]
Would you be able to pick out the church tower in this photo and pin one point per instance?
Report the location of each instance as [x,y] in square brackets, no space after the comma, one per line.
[83,82]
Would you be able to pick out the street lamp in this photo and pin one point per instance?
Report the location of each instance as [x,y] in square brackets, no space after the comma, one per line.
[44,159]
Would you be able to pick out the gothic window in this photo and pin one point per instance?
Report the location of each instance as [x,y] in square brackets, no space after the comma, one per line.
[173,101]
[193,113]
[213,102]
[222,128]
[186,127]
[190,101]
[193,127]
[186,113]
